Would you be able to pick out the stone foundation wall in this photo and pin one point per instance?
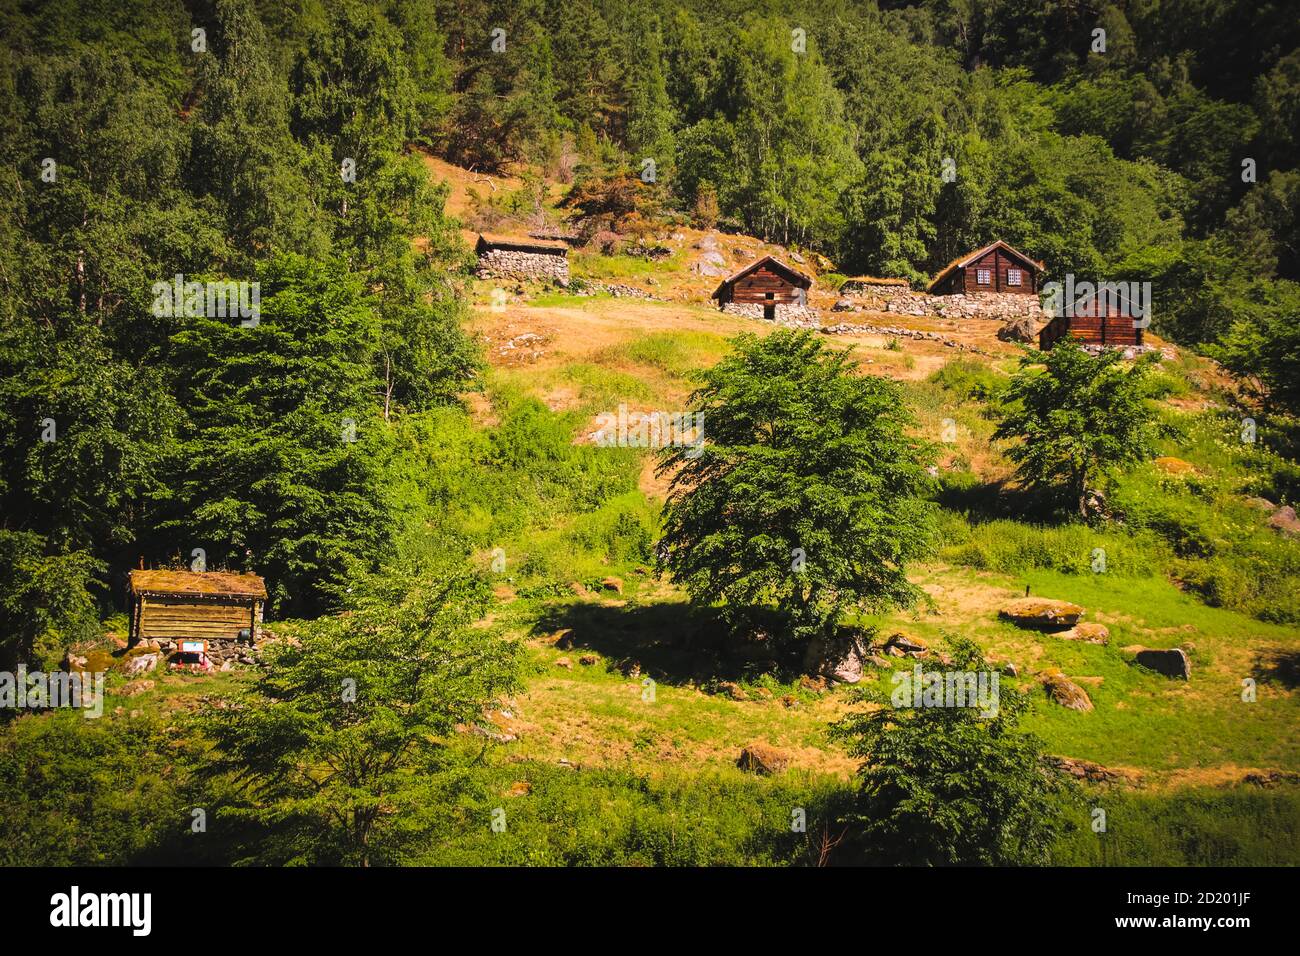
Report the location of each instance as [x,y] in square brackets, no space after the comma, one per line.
[1132,351]
[983,305]
[797,316]
[508,264]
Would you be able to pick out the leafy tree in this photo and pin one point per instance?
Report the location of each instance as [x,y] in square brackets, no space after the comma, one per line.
[268,477]
[890,210]
[1076,418]
[807,492]
[1263,344]
[243,155]
[343,743]
[47,601]
[790,152]
[649,112]
[84,439]
[946,785]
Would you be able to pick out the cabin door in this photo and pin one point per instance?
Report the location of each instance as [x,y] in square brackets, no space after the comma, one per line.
[769,312]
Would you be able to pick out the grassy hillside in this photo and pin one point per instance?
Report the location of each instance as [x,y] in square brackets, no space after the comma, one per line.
[591,770]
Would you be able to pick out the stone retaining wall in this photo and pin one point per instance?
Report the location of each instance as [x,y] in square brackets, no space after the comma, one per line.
[983,305]
[509,264]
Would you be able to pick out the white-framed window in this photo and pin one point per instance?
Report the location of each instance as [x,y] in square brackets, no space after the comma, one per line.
[1013,277]
[983,276]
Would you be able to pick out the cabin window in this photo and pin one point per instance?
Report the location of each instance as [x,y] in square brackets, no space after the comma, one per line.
[983,276]
[770,295]
[1013,277]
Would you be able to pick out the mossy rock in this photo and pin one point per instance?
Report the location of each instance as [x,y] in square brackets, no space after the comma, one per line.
[1042,614]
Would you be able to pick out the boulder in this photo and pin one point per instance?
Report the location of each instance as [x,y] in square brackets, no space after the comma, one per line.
[762,758]
[843,305]
[1091,772]
[1066,692]
[1172,662]
[1284,519]
[588,660]
[908,645]
[612,583]
[733,690]
[1042,614]
[841,658]
[565,663]
[1019,329]
[1087,632]
[141,664]
[814,684]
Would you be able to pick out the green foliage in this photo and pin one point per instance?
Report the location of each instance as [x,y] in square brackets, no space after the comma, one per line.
[946,785]
[1076,419]
[84,792]
[46,601]
[267,478]
[341,743]
[806,493]
[1199,826]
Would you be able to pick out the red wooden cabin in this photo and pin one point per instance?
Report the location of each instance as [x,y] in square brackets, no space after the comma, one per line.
[1094,320]
[768,282]
[995,268]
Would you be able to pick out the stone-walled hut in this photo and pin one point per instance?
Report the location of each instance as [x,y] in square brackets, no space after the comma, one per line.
[522,258]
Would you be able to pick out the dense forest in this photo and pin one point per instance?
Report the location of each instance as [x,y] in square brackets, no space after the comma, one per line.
[277,142]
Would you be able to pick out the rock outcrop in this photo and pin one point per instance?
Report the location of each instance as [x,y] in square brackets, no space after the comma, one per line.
[762,758]
[1066,692]
[1042,614]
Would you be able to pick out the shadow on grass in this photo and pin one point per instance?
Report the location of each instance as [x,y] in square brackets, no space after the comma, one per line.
[1278,665]
[992,500]
[673,643]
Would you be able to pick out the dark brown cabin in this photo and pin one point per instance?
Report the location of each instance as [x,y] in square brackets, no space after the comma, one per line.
[995,268]
[1094,320]
[767,282]
[208,606]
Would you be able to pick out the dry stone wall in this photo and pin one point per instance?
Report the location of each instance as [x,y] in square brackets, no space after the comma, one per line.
[983,305]
[795,316]
[511,264]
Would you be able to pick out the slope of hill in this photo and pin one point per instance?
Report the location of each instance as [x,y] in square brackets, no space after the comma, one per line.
[578,356]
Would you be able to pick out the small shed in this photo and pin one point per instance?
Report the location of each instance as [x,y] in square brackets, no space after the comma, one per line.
[1095,319]
[210,606]
[763,287]
[996,267]
[521,257]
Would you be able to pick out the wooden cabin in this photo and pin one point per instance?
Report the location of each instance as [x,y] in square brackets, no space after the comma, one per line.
[995,268]
[1105,320]
[767,284]
[212,607]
